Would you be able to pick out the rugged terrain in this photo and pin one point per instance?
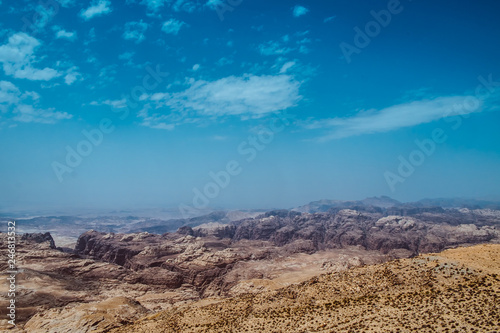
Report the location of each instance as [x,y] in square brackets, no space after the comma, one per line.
[66,229]
[454,291]
[111,279]
[203,258]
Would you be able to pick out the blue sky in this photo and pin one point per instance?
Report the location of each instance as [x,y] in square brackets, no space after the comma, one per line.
[246,104]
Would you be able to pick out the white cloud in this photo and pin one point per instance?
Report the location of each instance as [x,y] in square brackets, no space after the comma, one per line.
[107,76]
[126,55]
[304,49]
[224,61]
[34,74]
[9,94]
[116,104]
[154,5]
[249,96]
[135,31]
[19,48]
[184,5]
[66,3]
[196,67]
[177,5]
[28,114]
[70,78]
[398,116]
[72,75]
[287,66]
[213,4]
[299,11]
[172,26]
[97,8]
[22,106]
[91,36]
[17,57]
[63,34]
[273,48]
[330,18]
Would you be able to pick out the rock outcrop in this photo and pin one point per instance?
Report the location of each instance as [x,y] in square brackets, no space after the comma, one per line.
[202,258]
[267,252]
[372,231]
[453,291]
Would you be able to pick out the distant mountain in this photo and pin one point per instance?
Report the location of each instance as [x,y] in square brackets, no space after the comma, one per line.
[70,227]
[382,202]
[388,204]
[219,217]
[458,203]
[322,206]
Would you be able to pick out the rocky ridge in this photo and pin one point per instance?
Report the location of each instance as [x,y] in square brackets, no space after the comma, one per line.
[152,272]
[454,291]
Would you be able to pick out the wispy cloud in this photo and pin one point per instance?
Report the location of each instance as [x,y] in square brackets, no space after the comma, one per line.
[224,61]
[115,104]
[330,18]
[66,3]
[22,106]
[29,114]
[213,4]
[397,116]
[44,15]
[63,34]
[273,48]
[97,8]
[135,31]
[153,5]
[17,58]
[286,66]
[249,96]
[72,75]
[185,5]
[299,11]
[177,5]
[172,26]
[126,55]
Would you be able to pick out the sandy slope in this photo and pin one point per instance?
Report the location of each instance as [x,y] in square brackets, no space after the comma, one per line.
[457,290]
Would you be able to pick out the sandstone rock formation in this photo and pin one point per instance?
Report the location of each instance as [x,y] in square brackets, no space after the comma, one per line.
[454,291]
[151,272]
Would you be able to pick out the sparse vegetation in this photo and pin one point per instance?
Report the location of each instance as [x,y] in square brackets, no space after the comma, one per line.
[408,295]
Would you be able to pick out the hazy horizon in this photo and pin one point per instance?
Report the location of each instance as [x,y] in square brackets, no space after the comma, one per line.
[160,104]
[173,212]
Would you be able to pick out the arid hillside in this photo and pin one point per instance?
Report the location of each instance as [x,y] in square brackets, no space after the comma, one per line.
[457,290]
[250,271]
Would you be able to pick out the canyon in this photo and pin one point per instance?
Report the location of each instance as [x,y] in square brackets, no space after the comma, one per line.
[110,280]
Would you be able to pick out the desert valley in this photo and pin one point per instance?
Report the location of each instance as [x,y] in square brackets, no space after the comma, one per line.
[372,265]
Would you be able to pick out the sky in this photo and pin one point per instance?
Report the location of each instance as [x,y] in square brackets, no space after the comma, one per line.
[246,104]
